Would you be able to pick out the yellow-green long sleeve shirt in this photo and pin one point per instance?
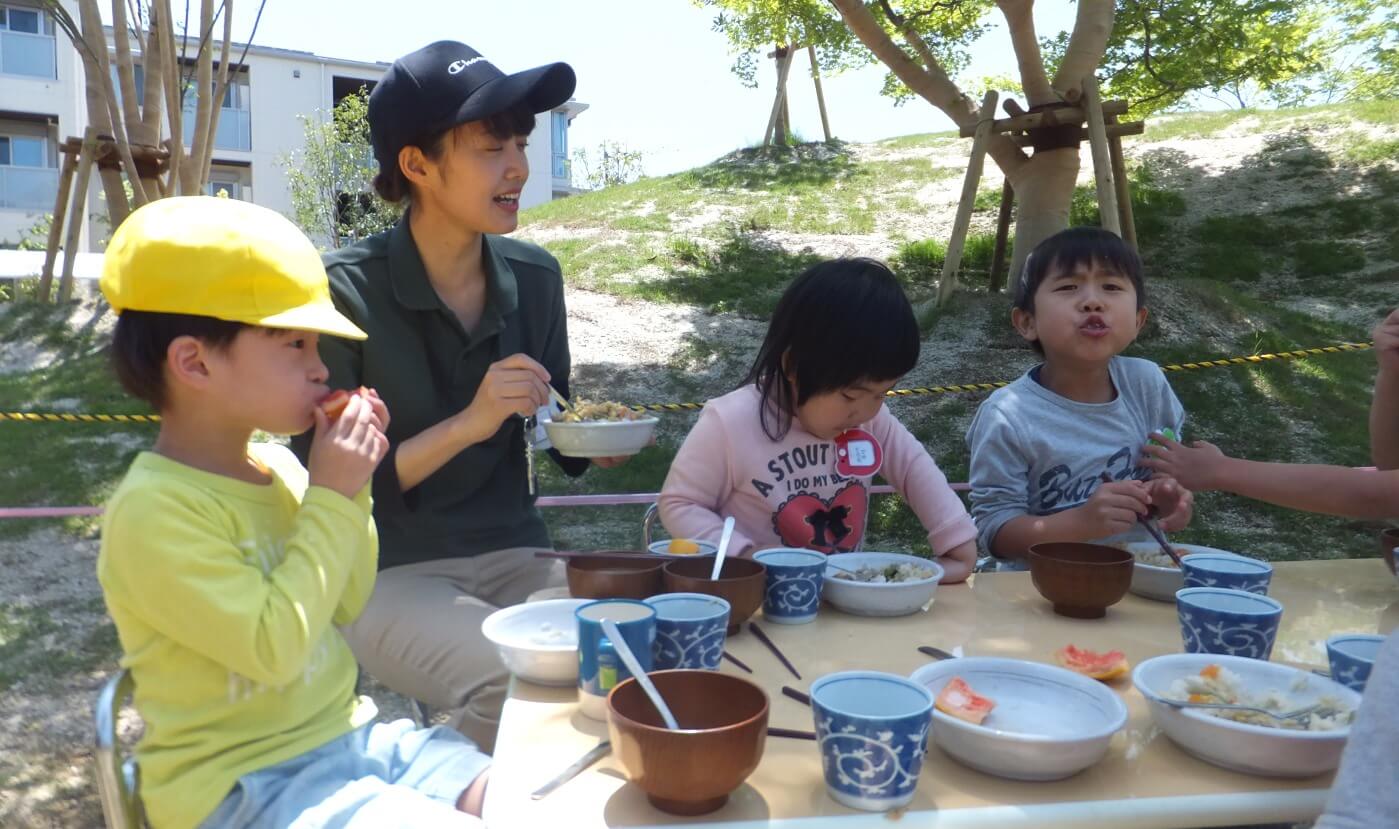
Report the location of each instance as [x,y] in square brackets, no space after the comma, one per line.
[224,594]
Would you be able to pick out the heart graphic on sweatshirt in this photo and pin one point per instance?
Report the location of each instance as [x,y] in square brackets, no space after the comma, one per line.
[834,526]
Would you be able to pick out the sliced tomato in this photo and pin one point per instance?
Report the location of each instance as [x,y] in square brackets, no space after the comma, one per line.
[957,699]
[334,404]
[1102,666]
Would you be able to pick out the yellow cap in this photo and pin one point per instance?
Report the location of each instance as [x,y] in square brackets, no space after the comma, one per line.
[220,258]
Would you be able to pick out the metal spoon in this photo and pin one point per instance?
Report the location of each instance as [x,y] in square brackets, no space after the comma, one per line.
[1291,715]
[609,627]
[723,547]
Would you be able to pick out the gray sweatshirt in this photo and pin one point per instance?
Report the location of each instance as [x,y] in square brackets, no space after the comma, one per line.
[1366,792]
[1034,452]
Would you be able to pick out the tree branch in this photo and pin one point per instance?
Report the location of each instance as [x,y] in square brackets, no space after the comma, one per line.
[1087,44]
[1020,20]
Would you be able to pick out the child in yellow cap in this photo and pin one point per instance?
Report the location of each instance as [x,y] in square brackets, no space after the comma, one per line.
[227,565]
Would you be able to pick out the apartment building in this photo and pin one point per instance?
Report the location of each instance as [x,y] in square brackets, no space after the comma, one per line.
[43,102]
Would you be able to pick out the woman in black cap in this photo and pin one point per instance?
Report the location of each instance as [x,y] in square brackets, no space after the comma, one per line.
[467,331]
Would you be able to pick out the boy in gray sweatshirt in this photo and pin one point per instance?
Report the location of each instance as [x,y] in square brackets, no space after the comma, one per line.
[1041,446]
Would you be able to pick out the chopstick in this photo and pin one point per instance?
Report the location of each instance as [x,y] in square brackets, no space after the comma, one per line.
[582,554]
[791,734]
[737,661]
[936,653]
[789,691]
[1151,528]
[560,400]
[763,637]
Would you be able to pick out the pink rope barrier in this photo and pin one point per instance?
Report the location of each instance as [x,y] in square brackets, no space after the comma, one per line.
[608,500]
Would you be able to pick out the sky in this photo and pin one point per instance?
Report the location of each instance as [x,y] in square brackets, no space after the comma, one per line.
[655,75]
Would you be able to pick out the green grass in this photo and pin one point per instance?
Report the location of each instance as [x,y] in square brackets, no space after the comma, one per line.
[1193,125]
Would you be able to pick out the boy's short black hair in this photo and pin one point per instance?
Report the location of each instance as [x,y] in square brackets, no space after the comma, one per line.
[1069,249]
[839,323]
[394,187]
[143,338]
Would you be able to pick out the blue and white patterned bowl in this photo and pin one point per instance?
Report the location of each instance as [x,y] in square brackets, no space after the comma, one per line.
[1231,622]
[1226,570]
[689,630]
[794,581]
[1352,655]
[872,729]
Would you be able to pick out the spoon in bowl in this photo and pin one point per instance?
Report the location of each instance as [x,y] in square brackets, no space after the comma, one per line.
[629,659]
[723,548]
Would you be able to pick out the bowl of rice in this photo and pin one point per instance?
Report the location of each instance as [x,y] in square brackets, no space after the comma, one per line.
[538,641]
[1154,575]
[1245,741]
[599,430]
[880,584]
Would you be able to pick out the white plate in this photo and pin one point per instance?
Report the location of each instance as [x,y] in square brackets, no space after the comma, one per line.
[1049,723]
[870,599]
[1251,749]
[1161,583]
[521,638]
[600,439]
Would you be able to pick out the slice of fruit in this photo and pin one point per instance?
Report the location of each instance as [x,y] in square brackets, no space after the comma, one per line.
[957,699]
[1102,666]
[682,547]
[334,404]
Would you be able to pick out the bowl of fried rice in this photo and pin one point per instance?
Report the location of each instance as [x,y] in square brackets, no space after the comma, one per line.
[599,430]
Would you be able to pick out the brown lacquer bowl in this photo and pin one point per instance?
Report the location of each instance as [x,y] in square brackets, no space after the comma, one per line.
[1081,580]
[605,577]
[742,583]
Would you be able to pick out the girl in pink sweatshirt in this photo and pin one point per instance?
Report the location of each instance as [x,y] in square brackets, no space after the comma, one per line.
[790,454]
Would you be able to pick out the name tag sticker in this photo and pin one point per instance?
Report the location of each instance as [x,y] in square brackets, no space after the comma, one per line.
[858,454]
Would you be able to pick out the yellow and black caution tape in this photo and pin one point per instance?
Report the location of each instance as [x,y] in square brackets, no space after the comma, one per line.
[960,388]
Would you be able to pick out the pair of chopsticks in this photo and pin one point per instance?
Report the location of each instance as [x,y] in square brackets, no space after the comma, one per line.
[763,637]
[560,400]
[602,554]
[789,691]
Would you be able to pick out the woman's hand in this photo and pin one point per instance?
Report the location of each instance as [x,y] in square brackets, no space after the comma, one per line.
[516,385]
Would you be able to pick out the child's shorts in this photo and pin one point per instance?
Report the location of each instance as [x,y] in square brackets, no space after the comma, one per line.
[382,775]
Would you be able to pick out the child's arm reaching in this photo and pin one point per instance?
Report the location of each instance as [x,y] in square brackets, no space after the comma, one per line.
[916,476]
[1384,408]
[698,484]
[1334,490]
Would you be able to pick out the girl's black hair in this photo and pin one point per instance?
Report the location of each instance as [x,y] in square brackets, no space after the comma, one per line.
[839,323]
[393,186]
[1070,249]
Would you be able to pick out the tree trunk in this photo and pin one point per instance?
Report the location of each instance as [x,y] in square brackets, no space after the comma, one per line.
[1020,20]
[193,165]
[1044,187]
[1087,43]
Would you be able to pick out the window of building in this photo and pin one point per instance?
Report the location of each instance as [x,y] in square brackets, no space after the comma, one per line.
[27,42]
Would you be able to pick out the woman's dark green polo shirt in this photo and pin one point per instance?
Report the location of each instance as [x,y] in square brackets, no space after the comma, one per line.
[427,367]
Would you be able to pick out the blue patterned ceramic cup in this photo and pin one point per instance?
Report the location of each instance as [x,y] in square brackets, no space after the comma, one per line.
[1233,622]
[794,581]
[1228,571]
[690,630]
[1352,655]
[600,669]
[872,729]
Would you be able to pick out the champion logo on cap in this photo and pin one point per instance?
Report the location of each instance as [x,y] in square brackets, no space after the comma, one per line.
[458,65]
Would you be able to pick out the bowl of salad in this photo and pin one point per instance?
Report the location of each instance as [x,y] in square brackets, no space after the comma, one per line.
[880,584]
[599,430]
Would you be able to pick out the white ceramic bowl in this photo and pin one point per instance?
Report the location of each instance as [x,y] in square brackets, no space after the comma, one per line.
[1161,583]
[871,599]
[1049,723]
[538,641]
[706,548]
[600,439]
[1251,749]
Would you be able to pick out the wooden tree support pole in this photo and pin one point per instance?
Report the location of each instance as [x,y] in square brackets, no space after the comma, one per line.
[784,64]
[998,255]
[76,215]
[1122,185]
[964,208]
[60,210]
[1102,164]
[820,96]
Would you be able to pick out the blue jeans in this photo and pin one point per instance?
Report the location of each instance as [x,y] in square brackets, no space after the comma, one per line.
[382,775]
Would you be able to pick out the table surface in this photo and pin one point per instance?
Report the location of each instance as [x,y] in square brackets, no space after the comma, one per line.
[1144,780]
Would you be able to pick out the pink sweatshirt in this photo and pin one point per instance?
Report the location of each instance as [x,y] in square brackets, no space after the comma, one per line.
[788,493]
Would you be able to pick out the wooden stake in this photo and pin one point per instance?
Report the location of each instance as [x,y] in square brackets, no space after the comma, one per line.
[77,217]
[1102,165]
[1122,185]
[783,65]
[998,255]
[820,97]
[964,208]
[60,210]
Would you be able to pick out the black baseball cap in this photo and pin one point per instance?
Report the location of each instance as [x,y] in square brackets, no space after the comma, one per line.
[447,83]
